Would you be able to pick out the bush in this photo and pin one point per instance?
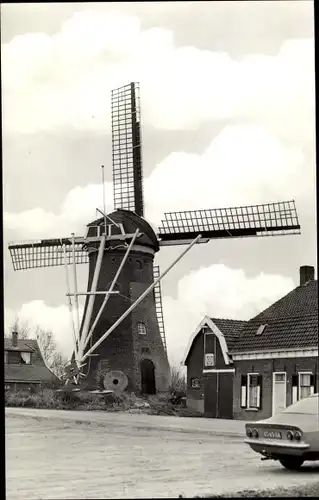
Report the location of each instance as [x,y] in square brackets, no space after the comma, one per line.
[178,380]
[40,399]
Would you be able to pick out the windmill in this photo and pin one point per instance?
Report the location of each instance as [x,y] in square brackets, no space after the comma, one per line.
[123,345]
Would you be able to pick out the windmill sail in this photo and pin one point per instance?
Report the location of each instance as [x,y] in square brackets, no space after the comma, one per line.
[126,149]
[235,222]
[159,305]
[47,253]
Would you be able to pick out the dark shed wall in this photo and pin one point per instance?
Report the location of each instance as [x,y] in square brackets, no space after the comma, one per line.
[195,396]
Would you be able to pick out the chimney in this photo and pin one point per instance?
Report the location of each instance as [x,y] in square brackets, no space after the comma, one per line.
[307,273]
[14,339]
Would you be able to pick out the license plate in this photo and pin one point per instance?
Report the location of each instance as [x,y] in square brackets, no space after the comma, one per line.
[272,434]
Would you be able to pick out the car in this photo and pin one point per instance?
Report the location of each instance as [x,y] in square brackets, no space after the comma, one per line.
[291,436]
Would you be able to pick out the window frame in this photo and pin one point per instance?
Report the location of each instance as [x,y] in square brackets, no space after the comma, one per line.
[209,353]
[144,327]
[311,387]
[249,375]
[195,386]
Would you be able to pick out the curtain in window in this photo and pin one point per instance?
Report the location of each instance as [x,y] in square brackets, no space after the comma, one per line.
[26,357]
[243,391]
[294,383]
[305,385]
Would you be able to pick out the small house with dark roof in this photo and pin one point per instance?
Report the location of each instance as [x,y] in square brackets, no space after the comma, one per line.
[210,368]
[253,369]
[24,365]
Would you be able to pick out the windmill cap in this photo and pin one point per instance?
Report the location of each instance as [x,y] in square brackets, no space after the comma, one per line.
[130,221]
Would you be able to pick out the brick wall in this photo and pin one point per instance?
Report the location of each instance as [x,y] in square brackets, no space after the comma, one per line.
[121,350]
[266,368]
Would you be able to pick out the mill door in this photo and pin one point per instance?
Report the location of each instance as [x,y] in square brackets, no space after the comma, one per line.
[279,390]
[148,385]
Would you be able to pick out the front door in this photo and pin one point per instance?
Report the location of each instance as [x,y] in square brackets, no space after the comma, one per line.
[279,391]
[225,395]
[210,395]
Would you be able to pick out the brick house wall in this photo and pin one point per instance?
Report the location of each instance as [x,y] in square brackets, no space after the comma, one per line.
[266,368]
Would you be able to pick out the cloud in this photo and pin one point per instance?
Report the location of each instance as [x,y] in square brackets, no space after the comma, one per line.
[220,292]
[244,164]
[64,80]
[217,291]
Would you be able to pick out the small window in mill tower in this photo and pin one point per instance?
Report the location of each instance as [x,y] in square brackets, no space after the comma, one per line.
[141,328]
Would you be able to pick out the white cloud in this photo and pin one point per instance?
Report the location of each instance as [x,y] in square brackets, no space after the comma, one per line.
[65,80]
[57,319]
[217,291]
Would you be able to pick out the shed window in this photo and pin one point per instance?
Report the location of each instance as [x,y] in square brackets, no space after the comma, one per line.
[209,359]
[141,328]
[195,383]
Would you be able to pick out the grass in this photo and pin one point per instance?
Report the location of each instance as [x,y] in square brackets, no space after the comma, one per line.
[65,400]
[311,490]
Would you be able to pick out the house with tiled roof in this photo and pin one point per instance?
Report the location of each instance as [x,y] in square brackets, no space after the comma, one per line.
[23,364]
[253,369]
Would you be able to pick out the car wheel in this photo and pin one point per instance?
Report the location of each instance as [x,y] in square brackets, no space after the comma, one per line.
[291,463]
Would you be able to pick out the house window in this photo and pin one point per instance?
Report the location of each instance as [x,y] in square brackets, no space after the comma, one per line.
[306,385]
[251,391]
[141,328]
[209,359]
[145,350]
[195,383]
[26,358]
[14,357]
[5,357]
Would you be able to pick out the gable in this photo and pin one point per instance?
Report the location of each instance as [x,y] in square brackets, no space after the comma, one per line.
[211,326]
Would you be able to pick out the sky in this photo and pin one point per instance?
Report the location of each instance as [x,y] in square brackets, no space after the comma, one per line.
[228,118]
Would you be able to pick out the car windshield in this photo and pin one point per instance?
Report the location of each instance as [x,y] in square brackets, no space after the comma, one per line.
[307,406]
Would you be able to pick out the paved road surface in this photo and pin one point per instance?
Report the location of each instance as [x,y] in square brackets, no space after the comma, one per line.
[52,454]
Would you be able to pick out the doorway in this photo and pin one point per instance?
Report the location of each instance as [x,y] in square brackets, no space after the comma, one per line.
[218,394]
[279,392]
[148,385]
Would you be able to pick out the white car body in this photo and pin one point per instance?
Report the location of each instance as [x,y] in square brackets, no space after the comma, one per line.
[291,436]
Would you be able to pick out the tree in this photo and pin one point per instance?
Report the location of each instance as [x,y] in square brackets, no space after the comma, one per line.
[19,326]
[178,379]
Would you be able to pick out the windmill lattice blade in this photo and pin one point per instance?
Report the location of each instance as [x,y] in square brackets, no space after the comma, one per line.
[159,305]
[251,220]
[45,253]
[126,149]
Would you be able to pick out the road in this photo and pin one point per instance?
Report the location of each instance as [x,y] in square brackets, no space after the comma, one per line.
[54,454]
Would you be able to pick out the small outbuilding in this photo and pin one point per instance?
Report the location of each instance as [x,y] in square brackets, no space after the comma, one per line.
[24,366]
